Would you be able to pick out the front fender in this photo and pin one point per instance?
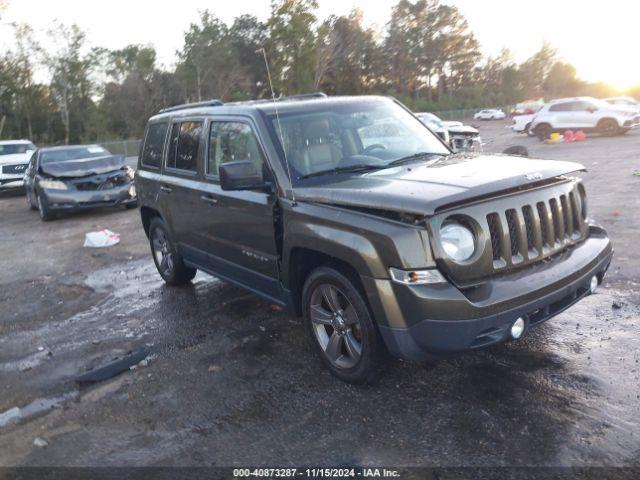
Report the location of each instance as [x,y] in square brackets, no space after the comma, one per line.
[368,243]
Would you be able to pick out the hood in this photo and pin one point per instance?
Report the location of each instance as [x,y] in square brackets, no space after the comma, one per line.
[15,158]
[84,167]
[421,189]
[462,129]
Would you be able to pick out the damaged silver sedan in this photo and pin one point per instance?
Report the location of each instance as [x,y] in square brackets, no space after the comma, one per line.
[72,178]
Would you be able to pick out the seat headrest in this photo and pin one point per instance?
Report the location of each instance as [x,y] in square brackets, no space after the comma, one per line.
[317,129]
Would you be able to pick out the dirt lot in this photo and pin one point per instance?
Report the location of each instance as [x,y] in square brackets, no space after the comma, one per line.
[232,381]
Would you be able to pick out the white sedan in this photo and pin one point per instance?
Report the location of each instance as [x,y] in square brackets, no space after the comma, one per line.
[490,114]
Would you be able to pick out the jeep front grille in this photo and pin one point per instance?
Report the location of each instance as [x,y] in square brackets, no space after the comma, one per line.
[515,230]
[557,221]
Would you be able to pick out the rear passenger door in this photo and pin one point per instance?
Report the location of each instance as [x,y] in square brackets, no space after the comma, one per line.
[237,232]
[180,183]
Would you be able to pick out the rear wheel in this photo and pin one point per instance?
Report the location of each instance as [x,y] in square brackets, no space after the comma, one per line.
[341,327]
[43,208]
[168,261]
[543,131]
[608,127]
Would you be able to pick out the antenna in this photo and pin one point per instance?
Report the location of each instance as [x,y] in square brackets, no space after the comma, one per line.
[282,142]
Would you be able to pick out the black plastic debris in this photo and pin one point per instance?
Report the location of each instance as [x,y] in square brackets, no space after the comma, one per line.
[518,150]
[112,369]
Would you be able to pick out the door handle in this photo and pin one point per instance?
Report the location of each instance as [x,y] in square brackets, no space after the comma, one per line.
[209,200]
[166,189]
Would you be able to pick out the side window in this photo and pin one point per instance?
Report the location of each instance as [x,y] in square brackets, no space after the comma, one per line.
[230,141]
[561,107]
[184,146]
[582,106]
[154,145]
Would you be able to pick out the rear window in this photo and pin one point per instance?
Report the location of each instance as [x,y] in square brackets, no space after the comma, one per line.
[75,153]
[16,149]
[154,145]
[184,146]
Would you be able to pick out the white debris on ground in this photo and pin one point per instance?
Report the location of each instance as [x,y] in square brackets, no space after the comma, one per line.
[40,443]
[10,416]
[101,238]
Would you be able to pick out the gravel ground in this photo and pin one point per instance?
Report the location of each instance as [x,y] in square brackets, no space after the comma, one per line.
[231,380]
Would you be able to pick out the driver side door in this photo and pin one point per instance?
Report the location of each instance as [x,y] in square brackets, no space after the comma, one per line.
[237,233]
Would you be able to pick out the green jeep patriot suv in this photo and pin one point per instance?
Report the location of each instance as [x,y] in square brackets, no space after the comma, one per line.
[352,213]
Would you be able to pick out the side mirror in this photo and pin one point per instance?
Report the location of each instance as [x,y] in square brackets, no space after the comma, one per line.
[592,109]
[240,175]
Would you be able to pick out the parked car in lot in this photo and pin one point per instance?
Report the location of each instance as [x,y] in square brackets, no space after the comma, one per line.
[490,114]
[460,137]
[583,113]
[14,157]
[351,213]
[72,178]
[436,125]
[625,101]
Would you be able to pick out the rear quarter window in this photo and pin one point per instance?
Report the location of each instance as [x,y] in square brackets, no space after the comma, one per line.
[154,145]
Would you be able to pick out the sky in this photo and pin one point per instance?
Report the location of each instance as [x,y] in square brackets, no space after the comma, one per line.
[598,38]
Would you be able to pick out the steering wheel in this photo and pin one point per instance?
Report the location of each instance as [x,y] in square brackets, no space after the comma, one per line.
[374,146]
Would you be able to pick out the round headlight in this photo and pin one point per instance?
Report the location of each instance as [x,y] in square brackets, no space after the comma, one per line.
[458,241]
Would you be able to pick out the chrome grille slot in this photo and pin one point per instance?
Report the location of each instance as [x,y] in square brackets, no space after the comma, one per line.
[527,214]
[544,221]
[494,230]
[558,224]
[512,224]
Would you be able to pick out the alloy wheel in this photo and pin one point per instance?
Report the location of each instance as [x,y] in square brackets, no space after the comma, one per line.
[162,252]
[336,326]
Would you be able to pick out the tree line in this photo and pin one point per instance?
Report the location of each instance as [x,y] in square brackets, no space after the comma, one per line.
[427,56]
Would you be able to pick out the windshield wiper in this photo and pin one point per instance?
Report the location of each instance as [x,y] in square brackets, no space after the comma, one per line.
[415,156]
[351,168]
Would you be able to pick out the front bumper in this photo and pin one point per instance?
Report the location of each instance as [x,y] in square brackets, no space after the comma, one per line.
[8,182]
[74,200]
[428,321]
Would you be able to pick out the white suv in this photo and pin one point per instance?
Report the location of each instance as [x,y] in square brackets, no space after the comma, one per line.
[583,113]
[14,157]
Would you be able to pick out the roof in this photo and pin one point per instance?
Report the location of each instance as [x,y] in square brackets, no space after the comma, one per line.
[15,142]
[267,106]
[68,147]
[571,99]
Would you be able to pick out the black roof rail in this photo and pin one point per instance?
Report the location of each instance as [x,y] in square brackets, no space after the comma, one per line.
[207,103]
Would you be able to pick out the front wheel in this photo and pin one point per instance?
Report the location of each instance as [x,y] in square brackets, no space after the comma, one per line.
[168,261]
[341,326]
[43,208]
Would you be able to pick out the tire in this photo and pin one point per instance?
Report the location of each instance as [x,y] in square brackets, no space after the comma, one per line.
[169,262]
[341,327]
[608,127]
[543,131]
[29,202]
[43,208]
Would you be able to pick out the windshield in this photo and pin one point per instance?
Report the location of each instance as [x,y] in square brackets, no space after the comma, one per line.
[368,134]
[16,148]
[75,153]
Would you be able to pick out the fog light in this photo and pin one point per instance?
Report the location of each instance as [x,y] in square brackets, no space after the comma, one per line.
[517,328]
[593,285]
